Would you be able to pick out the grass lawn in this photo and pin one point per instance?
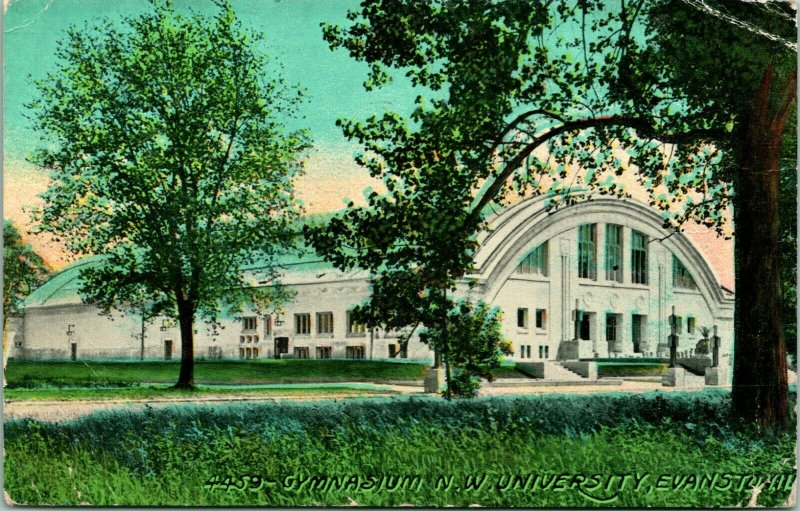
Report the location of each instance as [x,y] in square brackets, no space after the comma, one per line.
[533,451]
[621,369]
[166,392]
[21,374]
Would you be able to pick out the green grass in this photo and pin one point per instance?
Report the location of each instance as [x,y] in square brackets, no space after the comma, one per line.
[161,392]
[20,374]
[171,456]
[621,369]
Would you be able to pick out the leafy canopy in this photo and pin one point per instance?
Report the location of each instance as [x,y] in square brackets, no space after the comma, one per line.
[168,158]
[519,98]
[23,269]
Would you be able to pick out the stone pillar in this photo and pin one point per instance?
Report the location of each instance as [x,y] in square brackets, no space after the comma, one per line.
[434,380]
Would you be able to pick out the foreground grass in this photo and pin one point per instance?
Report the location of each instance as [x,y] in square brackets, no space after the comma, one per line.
[23,373]
[327,454]
[151,392]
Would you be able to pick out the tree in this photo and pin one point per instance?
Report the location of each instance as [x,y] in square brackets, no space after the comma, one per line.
[527,97]
[169,160]
[23,271]
[472,342]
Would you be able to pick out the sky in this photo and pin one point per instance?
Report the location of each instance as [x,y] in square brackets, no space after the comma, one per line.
[331,80]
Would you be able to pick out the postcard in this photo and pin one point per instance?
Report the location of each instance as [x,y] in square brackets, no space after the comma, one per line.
[393,253]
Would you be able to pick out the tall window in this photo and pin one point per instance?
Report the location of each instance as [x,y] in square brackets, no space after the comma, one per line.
[354,328]
[301,351]
[249,323]
[638,258]
[325,322]
[535,263]
[267,326]
[302,323]
[522,318]
[541,318]
[611,327]
[614,252]
[587,251]
[681,278]
[324,352]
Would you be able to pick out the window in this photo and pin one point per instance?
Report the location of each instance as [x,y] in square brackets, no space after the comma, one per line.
[323,352]
[249,323]
[301,352]
[584,328]
[255,352]
[587,251]
[535,263]
[678,322]
[241,339]
[690,325]
[354,352]
[681,278]
[541,351]
[525,351]
[522,318]
[249,339]
[249,352]
[302,323]
[614,252]
[241,352]
[267,326]
[611,327]
[541,318]
[255,339]
[354,328]
[324,322]
[638,332]
[638,258]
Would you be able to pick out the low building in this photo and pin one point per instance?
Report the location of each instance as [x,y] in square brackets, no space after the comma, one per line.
[598,279]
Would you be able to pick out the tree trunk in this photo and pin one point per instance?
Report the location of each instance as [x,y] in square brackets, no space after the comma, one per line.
[759,367]
[186,320]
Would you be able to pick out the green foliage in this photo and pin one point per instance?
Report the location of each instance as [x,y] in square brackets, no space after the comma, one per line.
[164,457]
[28,374]
[527,97]
[471,341]
[23,269]
[167,159]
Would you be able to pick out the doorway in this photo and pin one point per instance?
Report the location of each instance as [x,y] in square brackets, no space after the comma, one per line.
[73,355]
[167,350]
[281,346]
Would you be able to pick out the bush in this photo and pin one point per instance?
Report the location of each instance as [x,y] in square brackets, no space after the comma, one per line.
[464,384]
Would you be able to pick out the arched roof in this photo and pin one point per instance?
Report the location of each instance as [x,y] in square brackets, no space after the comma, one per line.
[516,231]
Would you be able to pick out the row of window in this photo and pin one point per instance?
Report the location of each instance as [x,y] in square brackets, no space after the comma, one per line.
[303,325]
[322,352]
[536,262]
[584,330]
[522,318]
[525,351]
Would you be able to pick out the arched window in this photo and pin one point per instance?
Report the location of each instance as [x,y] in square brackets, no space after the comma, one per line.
[535,263]
[681,278]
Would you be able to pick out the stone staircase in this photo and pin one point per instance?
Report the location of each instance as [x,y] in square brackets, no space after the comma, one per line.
[550,370]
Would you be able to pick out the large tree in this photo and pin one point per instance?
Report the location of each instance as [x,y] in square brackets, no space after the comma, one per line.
[525,97]
[169,159]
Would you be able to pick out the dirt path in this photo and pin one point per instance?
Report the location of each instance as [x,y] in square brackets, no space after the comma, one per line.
[63,410]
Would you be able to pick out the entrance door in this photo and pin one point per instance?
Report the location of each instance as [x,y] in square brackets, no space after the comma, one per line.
[281,346]
[73,355]
[167,350]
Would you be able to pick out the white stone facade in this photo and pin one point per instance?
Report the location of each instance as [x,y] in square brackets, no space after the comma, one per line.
[623,301]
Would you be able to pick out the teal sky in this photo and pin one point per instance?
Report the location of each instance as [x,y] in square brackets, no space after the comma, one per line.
[293,38]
